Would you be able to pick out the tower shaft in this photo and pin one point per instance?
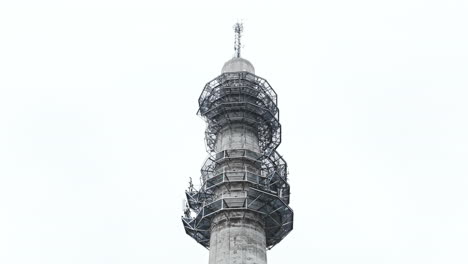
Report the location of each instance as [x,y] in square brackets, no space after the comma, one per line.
[237,236]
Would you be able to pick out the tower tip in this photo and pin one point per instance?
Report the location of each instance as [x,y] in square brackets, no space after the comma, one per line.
[238,28]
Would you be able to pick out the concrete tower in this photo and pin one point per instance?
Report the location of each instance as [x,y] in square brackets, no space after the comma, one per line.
[241,208]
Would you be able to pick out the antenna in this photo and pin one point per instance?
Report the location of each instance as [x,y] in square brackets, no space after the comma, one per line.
[238,28]
[190,189]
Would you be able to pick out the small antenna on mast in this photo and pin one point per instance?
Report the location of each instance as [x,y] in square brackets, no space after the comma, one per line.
[238,28]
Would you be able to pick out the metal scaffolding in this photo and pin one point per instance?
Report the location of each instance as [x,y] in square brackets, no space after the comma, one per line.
[241,98]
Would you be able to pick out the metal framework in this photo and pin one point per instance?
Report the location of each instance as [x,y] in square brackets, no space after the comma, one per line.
[241,98]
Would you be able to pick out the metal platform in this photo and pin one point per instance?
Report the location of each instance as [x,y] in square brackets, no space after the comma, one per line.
[241,98]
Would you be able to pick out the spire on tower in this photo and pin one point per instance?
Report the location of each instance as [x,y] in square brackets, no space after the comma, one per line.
[238,28]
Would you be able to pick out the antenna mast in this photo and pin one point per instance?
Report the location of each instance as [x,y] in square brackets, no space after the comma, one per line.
[238,28]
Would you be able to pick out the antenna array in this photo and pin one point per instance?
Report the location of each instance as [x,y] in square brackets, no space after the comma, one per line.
[238,28]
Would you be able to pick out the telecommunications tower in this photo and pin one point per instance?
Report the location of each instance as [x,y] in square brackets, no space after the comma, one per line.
[241,207]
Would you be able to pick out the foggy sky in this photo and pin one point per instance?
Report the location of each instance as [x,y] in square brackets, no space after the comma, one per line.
[99,133]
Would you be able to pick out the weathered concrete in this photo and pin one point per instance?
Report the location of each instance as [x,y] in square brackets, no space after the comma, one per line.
[237,237]
[237,136]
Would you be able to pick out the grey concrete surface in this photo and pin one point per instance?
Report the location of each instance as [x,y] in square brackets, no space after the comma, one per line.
[237,237]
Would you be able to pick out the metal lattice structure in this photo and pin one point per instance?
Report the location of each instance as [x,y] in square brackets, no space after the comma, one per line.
[241,179]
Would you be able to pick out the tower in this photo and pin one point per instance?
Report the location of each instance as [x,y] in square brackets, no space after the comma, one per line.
[241,208]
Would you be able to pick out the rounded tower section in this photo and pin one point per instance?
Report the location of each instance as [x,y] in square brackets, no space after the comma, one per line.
[237,65]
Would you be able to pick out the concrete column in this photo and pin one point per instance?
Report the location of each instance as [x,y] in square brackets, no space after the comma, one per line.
[237,136]
[237,237]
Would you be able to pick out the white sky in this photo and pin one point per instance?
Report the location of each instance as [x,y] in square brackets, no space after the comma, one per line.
[98,132]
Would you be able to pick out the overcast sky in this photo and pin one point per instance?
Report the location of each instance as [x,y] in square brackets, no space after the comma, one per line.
[99,133]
